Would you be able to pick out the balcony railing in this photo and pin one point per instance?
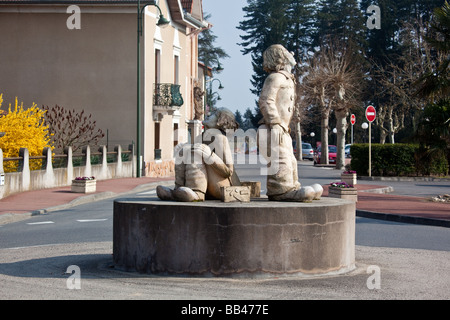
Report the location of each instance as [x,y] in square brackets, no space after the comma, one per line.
[167,97]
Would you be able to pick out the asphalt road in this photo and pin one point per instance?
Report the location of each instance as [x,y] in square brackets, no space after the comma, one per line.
[413,262]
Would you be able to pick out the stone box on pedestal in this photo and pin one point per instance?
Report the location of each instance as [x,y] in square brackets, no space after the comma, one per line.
[349,178]
[343,193]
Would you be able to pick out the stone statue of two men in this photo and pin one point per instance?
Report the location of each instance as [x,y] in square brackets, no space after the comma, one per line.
[200,172]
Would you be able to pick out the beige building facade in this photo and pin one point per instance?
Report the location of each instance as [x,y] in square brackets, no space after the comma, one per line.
[82,55]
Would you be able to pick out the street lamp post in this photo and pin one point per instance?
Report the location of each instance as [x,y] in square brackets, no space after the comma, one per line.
[220,83]
[365,126]
[162,22]
[209,94]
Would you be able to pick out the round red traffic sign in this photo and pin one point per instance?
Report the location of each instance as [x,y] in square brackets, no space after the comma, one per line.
[353,119]
[370,113]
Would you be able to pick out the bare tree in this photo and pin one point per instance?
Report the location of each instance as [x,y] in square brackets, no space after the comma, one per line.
[315,90]
[70,128]
[301,106]
[396,90]
[333,82]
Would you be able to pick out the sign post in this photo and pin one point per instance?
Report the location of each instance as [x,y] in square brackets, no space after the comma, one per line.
[353,121]
[370,116]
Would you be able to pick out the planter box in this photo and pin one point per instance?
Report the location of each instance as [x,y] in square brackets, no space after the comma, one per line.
[84,186]
[343,193]
[349,178]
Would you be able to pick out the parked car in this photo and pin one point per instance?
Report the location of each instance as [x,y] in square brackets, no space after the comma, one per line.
[331,154]
[347,150]
[307,151]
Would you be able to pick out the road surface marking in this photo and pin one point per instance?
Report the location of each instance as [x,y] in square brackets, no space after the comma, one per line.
[43,222]
[35,246]
[148,192]
[92,220]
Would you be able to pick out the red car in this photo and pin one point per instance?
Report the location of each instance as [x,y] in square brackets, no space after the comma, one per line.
[331,154]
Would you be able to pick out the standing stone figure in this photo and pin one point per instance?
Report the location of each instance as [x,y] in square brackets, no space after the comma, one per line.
[276,103]
[198,103]
[202,168]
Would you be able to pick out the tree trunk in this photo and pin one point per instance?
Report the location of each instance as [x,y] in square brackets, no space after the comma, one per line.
[341,127]
[391,125]
[324,138]
[391,137]
[383,135]
[381,115]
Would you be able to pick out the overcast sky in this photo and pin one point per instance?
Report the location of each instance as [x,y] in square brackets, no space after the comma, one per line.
[225,17]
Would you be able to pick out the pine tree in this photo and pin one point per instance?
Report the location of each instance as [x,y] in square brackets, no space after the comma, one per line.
[435,83]
[238,118]
[326,21]
[300,16]
[382,44]
[249,119]
[265,24]
[385,49]
[208,53]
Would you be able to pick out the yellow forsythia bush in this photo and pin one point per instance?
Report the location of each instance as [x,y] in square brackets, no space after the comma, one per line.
[23,129]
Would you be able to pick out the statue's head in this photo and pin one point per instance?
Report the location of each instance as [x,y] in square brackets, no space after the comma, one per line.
[221,119]
[277,58]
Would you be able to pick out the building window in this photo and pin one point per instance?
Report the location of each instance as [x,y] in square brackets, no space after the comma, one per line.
[157,66]
[175,134]
[157,139]
[176,69]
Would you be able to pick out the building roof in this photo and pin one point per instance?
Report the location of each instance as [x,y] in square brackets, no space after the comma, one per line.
[193,7]
[71,2]
[187,4]
[181,11]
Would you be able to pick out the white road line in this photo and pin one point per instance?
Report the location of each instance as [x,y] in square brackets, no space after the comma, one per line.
[92,220]
[43,222]
[36,246]
[148,192]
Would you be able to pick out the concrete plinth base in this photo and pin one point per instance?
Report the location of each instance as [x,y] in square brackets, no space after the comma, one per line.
[224,239]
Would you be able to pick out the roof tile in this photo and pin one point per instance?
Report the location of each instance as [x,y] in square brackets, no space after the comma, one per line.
[187,5]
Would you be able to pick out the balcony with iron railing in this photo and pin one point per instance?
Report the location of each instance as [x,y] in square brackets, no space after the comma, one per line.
[167,97]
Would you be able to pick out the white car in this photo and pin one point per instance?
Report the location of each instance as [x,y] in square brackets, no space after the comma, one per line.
[307,151]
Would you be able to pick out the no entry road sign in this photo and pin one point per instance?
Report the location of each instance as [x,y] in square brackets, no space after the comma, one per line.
[370,113]
[353,119]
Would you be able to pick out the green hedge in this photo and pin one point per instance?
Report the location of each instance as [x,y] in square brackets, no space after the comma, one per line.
[396,160]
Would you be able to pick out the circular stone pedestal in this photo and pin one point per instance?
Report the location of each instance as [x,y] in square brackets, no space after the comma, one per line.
[260,237]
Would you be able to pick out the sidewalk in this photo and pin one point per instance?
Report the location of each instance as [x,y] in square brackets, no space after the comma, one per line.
[45,200]
[373,202]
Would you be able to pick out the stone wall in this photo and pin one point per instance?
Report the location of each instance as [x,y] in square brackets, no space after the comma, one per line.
[48,177]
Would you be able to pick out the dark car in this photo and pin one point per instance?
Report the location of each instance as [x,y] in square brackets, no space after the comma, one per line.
[331,154]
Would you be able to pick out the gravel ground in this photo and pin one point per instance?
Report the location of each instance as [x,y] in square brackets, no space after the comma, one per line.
[40,273]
